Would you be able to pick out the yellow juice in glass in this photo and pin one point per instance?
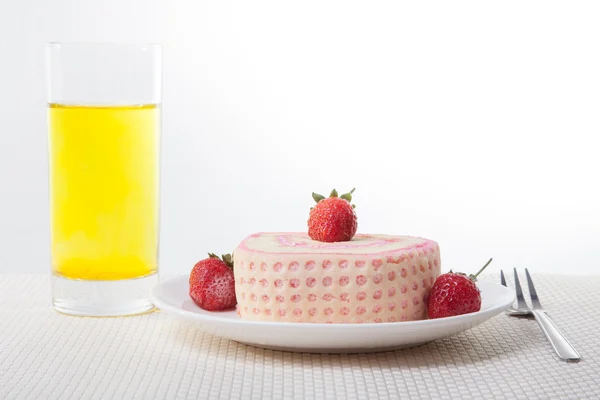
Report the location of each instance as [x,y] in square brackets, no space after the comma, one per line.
[104,191]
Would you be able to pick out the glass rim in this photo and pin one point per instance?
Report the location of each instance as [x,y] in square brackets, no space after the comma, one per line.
[57,44]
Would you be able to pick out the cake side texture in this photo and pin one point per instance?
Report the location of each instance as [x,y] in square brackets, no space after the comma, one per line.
[287,277]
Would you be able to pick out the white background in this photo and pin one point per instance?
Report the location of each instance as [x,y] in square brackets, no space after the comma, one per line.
[470,123]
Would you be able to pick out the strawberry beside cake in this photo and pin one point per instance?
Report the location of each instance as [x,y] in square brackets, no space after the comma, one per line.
[289,277]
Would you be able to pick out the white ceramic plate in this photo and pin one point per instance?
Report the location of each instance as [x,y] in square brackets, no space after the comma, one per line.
[172,297]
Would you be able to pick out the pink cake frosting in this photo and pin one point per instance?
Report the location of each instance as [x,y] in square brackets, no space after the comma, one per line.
[372,278]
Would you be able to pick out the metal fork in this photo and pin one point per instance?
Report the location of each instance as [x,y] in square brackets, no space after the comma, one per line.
[563,348]
[522,309]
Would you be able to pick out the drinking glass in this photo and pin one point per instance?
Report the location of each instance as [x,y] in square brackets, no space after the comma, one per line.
[104,151]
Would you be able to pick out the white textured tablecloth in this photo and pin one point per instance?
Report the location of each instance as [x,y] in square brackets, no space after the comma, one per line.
[47,355]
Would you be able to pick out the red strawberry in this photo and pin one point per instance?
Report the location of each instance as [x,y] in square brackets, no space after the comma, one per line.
[454,294]
[333,219]
[212,286]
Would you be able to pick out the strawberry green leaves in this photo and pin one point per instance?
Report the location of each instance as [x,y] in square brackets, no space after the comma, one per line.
[346,196]
[227,259]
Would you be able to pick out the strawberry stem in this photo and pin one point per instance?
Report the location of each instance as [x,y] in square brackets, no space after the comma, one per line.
[317,197]
[226,258]
[334,193]
[348,196]
[474,277]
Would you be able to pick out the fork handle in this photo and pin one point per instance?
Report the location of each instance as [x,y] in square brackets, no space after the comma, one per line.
[559,342]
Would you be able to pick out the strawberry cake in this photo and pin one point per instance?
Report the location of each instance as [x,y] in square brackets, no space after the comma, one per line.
[288,277]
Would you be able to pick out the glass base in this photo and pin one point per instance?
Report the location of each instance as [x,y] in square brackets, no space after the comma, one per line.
[102,298]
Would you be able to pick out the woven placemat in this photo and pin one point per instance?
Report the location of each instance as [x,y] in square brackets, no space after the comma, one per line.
[45,355]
